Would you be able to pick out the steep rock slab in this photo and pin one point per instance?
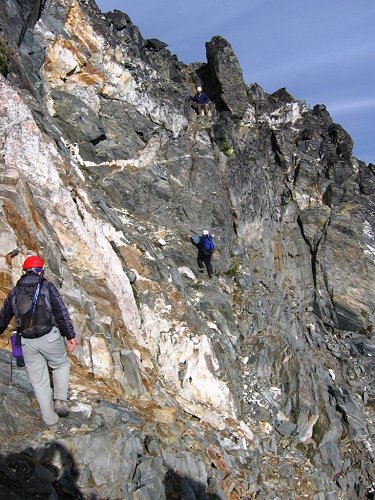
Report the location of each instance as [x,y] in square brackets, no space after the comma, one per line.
[296,380]
[77,239]
[82,66]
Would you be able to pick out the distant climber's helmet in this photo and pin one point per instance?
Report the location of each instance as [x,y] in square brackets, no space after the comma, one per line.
[199,89]
[205,232]
[33,262]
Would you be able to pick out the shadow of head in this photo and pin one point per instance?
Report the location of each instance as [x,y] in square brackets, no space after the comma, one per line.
[48,471]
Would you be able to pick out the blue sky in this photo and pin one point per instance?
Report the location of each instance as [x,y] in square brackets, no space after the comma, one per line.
[322,51]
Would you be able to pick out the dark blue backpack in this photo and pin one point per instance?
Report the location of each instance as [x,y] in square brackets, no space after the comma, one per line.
[207,243]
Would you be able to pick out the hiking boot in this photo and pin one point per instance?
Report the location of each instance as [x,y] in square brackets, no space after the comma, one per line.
[201,269]
[58,427]
[61,408]
[54,420]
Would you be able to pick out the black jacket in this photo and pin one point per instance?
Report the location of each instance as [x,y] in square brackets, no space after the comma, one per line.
[60,312]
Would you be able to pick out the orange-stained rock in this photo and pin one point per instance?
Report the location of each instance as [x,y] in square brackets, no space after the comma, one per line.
[133,258]
[81,29]
[64,62]
[20,226]
[165,415]
[5,284]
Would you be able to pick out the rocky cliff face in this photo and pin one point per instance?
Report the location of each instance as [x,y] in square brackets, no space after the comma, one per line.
[255,384]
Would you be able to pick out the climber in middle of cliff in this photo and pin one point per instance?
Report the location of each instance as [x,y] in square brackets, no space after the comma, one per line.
[205,245]
[200,102]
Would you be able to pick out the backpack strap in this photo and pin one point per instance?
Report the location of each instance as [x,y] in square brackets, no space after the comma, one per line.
[36,294]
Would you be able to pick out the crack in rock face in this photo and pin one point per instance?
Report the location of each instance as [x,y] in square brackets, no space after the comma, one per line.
[256,381]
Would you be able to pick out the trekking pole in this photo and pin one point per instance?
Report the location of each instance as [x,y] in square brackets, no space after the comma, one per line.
[11,365]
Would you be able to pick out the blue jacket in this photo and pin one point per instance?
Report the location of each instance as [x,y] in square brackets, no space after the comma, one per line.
[60,312]
[200,98]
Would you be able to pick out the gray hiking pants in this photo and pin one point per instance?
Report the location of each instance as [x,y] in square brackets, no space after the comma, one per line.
[40,353]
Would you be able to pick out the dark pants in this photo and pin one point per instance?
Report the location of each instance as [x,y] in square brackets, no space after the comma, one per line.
[205,259]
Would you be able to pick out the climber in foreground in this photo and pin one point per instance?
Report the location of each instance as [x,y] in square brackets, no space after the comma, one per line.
[205,245]
[42,320]
[200,102]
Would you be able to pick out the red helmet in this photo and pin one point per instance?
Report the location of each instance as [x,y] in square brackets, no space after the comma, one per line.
[33,261]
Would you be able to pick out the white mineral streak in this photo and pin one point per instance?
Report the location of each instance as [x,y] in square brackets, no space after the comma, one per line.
[307,429]
[369,240]
[187,272]
[164,115]
[246,430]
[201,383]
[82,237]
[289,113]
[203,137]
[103,70]
[305,200]
[249,119]
[276,391]
[355,165]
[201,386]
[80,407]
[101,358]
[155,326]
[146,159]
[213,326]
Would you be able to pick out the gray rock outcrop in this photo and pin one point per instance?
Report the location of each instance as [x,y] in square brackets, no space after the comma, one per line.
[257,383]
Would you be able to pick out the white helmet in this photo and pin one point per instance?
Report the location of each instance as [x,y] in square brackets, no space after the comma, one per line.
[199,89]
[205,232]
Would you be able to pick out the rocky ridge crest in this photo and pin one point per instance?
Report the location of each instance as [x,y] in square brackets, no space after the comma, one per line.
[256,384]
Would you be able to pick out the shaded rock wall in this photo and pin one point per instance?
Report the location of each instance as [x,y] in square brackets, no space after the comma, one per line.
[105,171]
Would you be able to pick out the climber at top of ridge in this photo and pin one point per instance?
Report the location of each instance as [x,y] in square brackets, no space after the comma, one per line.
[200,102]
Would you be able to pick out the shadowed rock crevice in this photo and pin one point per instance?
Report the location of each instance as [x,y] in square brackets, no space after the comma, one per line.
[251,383]
[186,487]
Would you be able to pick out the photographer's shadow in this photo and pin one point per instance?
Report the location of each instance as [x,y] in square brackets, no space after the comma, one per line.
[48,471]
